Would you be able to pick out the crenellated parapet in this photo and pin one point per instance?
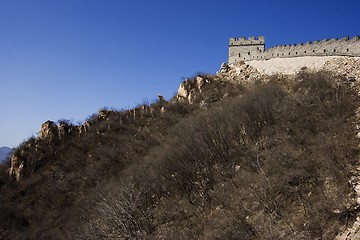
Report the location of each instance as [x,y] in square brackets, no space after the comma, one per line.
[242,49]
[241,41]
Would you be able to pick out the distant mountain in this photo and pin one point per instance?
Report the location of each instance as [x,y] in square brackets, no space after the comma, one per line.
[4,153]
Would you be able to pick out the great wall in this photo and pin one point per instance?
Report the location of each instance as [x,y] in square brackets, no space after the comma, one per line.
[253,48]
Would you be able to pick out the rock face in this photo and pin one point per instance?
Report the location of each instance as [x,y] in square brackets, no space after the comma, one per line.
[200,82]
[184,90]
[49,133]
[16,168]
[104,113]
[190,90]
[239,71]
[49,130]
[64,129]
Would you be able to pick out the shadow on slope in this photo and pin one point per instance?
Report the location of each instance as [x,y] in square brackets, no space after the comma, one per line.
[269,161]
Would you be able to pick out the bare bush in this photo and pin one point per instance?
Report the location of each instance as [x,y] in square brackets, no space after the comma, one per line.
[122,215]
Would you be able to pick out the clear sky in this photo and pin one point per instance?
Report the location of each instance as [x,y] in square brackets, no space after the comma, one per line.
[65,59]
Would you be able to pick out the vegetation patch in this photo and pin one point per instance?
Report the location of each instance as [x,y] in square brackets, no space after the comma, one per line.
[268,161]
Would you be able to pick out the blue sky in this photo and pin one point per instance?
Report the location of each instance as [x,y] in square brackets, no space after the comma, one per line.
[65,59]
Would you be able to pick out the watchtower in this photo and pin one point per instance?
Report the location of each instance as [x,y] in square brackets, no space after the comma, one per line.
[245,49]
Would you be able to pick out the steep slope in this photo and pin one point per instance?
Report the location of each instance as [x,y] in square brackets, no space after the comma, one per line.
[53,177]
[222,160]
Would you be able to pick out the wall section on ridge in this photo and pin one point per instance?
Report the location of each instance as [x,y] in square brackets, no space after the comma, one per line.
[326,47]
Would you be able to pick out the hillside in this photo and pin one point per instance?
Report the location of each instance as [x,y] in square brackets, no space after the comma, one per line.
[238,155]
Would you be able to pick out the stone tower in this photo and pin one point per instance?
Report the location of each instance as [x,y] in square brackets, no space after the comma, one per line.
[245,49]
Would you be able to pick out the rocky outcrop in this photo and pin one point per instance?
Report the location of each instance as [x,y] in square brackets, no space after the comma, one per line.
[83,128]
[105,113]
[48,131]
[200,82]
[239,71]
[184,90]
[190,91]
[64,129]
[16,167]
[21,159]
[224,68]
[28,155]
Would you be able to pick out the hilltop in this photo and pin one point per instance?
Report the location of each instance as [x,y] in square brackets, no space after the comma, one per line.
[253,152]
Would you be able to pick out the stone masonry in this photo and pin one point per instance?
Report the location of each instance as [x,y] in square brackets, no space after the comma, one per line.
[253,48]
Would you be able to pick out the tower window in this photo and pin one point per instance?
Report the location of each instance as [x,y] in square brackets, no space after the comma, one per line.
[248,53]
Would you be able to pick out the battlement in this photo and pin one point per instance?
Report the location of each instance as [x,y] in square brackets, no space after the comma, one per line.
[253,48]
[242,41]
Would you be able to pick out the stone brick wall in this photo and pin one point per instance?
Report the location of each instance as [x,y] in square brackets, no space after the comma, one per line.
[241,49]
[245,49]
